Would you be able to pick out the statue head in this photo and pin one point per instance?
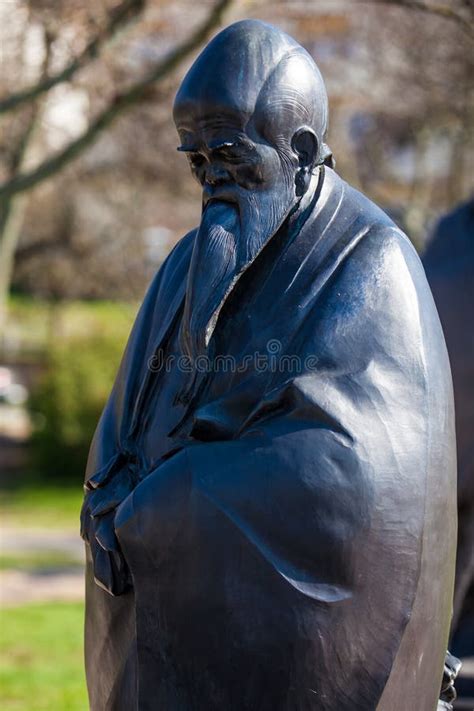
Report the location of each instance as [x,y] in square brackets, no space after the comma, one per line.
[251,114]
[252,107]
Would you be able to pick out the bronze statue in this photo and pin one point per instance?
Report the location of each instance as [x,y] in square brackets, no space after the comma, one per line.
[270,504]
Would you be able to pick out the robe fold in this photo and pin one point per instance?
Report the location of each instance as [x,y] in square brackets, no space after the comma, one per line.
[290,532]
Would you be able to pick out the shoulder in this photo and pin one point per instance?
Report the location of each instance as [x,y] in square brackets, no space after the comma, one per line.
[385,275]
[387,259]
[167,283]
[174,268]
[378,302]
[356,237]
[183,246]
[384,256]
[179,257]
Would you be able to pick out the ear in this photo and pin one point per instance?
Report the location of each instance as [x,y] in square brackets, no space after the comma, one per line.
[305,144]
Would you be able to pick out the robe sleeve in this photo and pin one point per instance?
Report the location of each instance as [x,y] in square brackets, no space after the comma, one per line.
[110,621]
[111,443]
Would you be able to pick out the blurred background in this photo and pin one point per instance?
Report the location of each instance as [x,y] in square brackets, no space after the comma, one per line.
[93,196]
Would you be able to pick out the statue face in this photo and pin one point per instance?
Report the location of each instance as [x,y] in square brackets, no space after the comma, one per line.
[248,191]
[227,161]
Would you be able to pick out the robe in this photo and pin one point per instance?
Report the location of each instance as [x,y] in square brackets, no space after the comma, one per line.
[290,531]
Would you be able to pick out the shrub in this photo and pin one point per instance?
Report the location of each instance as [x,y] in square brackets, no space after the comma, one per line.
[67,402]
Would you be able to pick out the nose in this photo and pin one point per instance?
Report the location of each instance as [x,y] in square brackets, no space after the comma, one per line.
[216,175]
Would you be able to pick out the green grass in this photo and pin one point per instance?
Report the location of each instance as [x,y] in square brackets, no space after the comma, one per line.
[38,560]
[35,505]
[41,644]
[34,323]
[41,659]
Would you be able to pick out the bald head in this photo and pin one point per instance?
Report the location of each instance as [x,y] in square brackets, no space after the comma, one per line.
[262,80]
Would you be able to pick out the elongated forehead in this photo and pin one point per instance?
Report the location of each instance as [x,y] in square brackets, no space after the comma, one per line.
[204,118]
[228,75]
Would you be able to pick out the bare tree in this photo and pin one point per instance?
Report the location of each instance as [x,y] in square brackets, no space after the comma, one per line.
[118,17]
[459,11]
[401,110]
[21,180]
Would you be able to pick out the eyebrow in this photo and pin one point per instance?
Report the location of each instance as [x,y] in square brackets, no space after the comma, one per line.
[218,145]
[187,149]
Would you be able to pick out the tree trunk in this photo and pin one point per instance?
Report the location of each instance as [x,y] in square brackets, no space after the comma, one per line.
[10,231]
[11,218]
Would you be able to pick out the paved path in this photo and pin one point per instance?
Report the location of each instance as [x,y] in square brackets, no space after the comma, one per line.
[14,539]
[19,587]
[62,583]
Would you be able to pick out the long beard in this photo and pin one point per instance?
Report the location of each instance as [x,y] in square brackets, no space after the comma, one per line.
[230,237]
[211,275]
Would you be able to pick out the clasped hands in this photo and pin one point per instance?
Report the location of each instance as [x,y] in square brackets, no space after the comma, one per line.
[119,512]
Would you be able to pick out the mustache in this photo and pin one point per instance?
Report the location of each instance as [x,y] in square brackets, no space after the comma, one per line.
[233,194]
[259,215]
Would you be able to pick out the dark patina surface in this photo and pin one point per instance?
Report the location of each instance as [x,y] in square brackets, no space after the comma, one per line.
[278,532]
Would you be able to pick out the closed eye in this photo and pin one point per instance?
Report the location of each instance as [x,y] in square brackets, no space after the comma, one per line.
[233,153]
[196,159]
[228,156]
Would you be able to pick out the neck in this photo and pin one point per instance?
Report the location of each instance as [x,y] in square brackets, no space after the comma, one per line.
[304,207]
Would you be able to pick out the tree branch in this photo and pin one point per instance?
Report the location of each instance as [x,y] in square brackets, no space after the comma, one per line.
[133,95]
[118,17]
[444,11]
